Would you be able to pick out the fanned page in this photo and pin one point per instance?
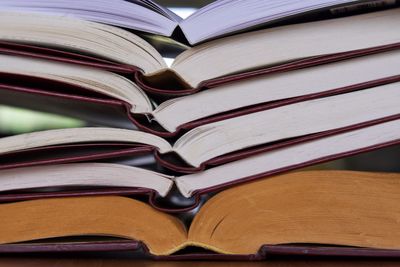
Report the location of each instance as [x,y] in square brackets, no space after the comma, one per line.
[319,207]
[80,135]
[226,17]
[172,114]
[146,16]
[354,74]
[89,175]
[84,37]
[256,167]
[214,20]
[216,139]
[269,47]
[246,169]
[231,55]
[261,128]
[91,79]
[285,209]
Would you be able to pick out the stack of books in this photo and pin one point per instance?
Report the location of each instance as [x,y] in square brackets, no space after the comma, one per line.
[201,159]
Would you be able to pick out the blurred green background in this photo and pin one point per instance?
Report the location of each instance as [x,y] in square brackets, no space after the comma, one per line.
[17,120]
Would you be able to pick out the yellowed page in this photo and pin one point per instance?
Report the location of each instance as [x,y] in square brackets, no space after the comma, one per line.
[328,207]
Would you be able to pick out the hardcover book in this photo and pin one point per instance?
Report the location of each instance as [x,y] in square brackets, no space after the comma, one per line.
[37,168]
[148,16]
[313,213]
[114,78]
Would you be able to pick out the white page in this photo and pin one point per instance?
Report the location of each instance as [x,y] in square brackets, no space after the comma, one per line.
[84,174]
[80,135]
[216,139]
[290,156]
[114,12]
[224,16]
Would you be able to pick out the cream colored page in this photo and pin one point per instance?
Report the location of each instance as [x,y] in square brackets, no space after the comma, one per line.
[66,32]
[79,135]
[281,44]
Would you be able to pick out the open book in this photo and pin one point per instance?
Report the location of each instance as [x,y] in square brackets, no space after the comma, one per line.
[316,208]
[214,20]
[201,145]
[246,167]
[184,113]
[362,50]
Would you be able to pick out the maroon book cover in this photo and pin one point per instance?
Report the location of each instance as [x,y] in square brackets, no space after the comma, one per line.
[264,252]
